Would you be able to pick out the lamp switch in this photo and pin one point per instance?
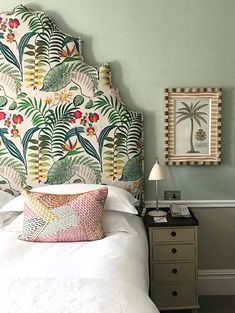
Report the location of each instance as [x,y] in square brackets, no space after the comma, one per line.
[172,194]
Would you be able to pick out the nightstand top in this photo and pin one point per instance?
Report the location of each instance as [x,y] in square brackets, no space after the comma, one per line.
[176,221]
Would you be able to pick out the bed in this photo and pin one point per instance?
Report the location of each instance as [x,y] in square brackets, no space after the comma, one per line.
[107,275]
[71,178]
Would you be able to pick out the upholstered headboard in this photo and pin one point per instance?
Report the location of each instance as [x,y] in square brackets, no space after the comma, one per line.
[61,121]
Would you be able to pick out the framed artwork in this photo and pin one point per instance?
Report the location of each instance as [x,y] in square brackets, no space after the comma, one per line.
[193,126]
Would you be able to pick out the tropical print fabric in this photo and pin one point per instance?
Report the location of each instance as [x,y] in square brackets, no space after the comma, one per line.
[59,218]
[61,121]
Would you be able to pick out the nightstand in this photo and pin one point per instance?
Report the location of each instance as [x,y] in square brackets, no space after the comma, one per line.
[173,262]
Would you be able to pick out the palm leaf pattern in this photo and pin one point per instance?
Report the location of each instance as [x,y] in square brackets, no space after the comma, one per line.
[191,112]
[10,79]
[37,22]
[130,135]
[61,121]
[9,55]
[13,173]
[10,146]
[54,133]
[50,43]
[81,74]
[68,168]
[36,110]
[111,107]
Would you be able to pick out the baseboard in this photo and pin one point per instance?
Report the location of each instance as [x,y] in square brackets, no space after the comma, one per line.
[216,282]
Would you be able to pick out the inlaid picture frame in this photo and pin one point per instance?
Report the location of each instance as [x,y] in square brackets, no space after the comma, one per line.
[193,126]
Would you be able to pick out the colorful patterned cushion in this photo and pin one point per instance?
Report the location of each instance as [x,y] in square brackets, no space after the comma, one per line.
[68,217]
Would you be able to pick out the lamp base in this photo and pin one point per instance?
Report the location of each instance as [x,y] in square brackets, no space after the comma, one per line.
[157,213]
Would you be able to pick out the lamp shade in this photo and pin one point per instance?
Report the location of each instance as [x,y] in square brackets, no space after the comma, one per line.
[157,172]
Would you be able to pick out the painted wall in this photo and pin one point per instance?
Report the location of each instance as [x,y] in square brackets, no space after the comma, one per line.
[216,249]
[154,44]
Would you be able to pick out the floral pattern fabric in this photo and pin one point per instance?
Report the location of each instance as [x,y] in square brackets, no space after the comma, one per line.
[61,120]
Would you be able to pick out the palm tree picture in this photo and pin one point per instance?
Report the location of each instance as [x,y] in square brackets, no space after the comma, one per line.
[192,112]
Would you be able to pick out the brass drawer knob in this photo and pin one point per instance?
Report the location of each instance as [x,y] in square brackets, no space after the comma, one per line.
[174,271]
[174,293]
[173,233]
[173,250]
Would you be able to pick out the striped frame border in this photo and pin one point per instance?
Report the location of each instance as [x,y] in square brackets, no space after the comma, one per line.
[214,158]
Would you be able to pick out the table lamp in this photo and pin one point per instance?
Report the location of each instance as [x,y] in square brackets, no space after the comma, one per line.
[157,173]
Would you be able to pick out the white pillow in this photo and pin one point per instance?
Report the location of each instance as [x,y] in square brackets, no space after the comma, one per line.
[113,222]
[4,198]
[15,205]
[15,225]
[5,216]
[118,199]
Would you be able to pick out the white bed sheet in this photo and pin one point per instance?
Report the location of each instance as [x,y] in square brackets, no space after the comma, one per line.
[121,255]
[120,259]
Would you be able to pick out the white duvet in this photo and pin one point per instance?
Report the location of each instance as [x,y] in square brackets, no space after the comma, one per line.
[105,276]
[73,295]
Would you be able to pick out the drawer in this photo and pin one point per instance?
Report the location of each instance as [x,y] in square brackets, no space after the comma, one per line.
[173,235]
[174,272]
[173,252]
[175,296]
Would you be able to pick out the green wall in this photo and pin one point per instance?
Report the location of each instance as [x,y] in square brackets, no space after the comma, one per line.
[153,44]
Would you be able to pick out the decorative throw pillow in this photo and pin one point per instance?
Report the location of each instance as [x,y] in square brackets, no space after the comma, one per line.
[68,217]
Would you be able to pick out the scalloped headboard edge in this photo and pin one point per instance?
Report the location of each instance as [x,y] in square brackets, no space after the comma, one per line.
[61,120]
